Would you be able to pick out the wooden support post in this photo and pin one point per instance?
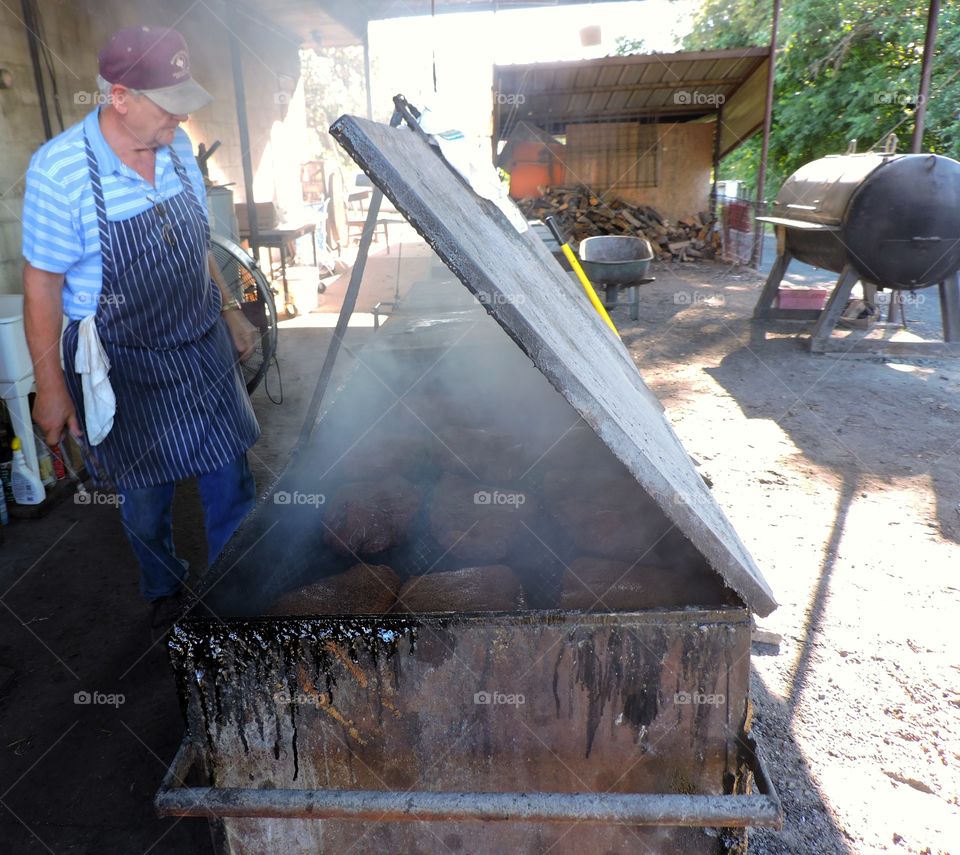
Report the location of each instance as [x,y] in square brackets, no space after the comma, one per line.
[765,145]
[929,45]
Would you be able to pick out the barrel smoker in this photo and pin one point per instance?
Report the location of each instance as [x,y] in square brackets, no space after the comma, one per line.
[888,220]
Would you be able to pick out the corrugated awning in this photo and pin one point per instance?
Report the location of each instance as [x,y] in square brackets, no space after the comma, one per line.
[541,309]
[650,87]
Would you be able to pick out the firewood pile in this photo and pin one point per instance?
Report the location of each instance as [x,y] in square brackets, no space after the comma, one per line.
[582,214]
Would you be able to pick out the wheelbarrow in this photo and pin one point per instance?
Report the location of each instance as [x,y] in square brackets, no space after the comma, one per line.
[617,262]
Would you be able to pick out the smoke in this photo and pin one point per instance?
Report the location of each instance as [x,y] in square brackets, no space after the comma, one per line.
[503,469]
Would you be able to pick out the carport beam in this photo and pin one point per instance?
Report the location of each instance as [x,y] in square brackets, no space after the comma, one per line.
[243,127]
[767,122]
[716,162]
[366,68]
[929,45]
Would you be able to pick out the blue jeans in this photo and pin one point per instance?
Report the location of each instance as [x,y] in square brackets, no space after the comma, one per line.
[228,494]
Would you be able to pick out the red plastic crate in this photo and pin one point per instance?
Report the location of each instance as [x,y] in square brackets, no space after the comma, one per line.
[802,298]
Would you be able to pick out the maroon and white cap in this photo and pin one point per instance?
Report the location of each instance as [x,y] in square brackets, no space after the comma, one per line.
[156,62]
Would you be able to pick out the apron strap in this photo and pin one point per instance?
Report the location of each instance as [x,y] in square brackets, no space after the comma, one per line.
[184,180]
[199,210]
[106,245]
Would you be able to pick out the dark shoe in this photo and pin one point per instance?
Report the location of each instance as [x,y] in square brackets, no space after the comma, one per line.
[164,613]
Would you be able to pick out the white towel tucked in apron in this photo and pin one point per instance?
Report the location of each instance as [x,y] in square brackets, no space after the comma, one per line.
[93,366]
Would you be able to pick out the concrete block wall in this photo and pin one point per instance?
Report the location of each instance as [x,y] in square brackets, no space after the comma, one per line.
[21,131]
[74,31]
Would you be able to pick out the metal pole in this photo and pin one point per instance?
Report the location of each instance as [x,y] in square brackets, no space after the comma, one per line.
[929,45]
[366,68]
[244,130]
[346,309]
[30,25]
[651,809]
[716,163]
[767,122]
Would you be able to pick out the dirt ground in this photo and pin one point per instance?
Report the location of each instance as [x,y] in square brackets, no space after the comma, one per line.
[840,473]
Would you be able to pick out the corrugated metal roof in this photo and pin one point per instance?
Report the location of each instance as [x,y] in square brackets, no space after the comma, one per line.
[648,87]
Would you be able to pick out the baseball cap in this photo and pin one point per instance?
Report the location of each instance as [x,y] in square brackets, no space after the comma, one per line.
[156,62]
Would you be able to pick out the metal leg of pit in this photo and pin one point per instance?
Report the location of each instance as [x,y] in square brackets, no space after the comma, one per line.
[766,304]
[820,337]
[950,308]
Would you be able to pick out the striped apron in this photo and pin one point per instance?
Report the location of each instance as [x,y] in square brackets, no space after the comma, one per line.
[182,408]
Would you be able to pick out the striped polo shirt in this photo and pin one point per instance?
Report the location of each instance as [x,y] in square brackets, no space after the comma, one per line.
[60,233]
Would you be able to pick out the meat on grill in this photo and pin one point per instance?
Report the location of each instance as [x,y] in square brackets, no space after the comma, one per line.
[398,445]
[363,589]
[600,584]
[605,512]
[477,522]
[368,517]
[485,454]
[472,589]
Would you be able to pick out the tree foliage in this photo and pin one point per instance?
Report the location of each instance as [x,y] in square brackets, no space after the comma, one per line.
[333,82]
[624,46]
[846,69]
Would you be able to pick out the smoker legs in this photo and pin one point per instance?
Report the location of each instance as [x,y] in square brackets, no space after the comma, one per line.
[764,309]
[832,311]
[950,307]
[827,319]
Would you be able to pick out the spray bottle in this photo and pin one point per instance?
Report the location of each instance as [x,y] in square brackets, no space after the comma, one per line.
[27,486]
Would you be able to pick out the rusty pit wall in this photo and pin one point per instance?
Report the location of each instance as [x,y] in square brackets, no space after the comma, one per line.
[553,702]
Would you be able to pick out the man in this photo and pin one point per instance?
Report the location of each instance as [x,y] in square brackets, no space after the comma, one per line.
[115,236]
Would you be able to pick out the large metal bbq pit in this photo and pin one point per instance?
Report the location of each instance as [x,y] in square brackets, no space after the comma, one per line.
[888,220]
[490,605]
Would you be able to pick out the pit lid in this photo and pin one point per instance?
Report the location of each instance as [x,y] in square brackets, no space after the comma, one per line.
[540,307]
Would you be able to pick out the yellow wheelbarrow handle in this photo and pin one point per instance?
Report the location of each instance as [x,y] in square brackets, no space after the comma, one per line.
[571,257]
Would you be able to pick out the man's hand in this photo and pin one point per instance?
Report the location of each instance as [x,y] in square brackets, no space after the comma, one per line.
[245,335]
[43,319]
[53,411]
